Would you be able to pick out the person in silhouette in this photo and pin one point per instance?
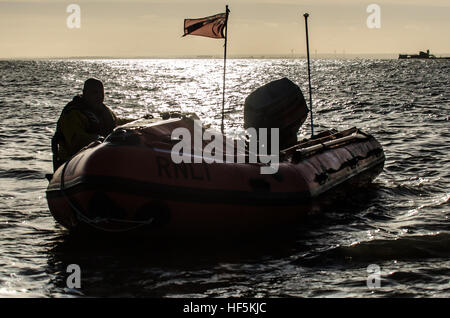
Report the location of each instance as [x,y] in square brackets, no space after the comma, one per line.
[82,121]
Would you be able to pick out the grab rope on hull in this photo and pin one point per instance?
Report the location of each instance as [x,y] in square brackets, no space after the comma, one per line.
[94,222]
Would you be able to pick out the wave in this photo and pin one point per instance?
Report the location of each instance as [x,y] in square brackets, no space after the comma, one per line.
[376,251]
[22,174]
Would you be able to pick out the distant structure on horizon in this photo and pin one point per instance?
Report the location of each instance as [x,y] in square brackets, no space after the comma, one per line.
[421,55]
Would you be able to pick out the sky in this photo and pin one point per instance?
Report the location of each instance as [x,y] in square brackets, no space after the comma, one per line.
[153,28]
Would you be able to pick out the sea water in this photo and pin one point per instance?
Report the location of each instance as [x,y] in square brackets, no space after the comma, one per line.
[399,225]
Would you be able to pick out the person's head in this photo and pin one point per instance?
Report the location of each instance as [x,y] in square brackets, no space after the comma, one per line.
[93,92]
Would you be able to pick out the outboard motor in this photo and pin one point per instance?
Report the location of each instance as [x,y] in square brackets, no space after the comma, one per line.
[278,104]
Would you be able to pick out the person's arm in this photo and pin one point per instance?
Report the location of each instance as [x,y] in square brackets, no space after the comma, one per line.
[123,121]
[73,127]
[119,121]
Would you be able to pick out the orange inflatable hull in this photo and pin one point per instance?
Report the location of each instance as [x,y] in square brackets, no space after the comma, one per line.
[130,183]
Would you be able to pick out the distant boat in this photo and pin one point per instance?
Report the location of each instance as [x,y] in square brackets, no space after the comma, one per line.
[421,55]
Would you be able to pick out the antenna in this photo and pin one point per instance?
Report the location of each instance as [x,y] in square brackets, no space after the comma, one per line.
[306,15]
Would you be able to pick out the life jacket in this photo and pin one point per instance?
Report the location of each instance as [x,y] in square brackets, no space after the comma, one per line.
[100,122]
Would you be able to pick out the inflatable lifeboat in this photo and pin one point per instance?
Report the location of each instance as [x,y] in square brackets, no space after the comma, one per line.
[130,182]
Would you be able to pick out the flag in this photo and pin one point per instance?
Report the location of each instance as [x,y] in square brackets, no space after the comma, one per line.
[211,26]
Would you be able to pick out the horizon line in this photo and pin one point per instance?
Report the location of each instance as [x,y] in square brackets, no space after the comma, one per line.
[338,55]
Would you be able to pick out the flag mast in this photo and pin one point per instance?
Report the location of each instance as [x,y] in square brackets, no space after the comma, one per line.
[212,26]
[306,15]
[224,67]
